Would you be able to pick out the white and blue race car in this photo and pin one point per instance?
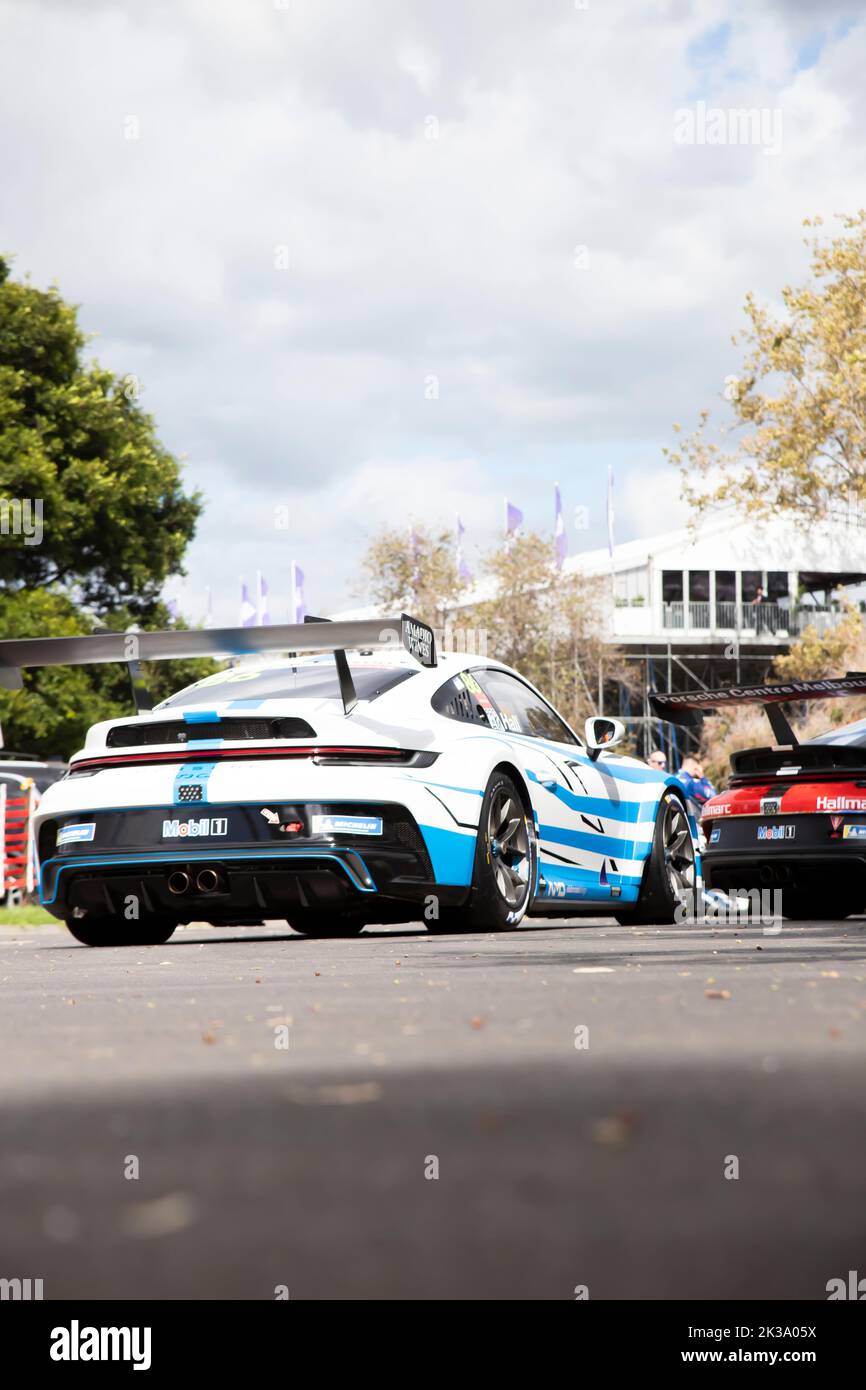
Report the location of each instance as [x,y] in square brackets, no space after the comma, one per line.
[334,790]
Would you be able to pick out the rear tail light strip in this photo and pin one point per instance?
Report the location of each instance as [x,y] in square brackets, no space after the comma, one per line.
[324,754]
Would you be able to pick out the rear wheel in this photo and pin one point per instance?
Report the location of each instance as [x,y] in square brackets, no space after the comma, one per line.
[826,907]
[326,924]
[151,930]
[669,873]
[504,868]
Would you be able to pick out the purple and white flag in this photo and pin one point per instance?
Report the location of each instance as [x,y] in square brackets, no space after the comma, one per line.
[247,616]
[464,573]
[173,609]
[513,518]
[262,615]
[610,509]
[299,611]
[560,538]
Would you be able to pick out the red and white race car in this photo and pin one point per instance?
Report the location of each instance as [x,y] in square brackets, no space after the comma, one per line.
[793,817]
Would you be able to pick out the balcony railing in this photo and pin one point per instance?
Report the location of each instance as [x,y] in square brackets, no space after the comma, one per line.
[761,619]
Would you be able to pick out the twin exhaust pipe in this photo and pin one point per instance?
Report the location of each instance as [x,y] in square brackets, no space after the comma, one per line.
[206,881]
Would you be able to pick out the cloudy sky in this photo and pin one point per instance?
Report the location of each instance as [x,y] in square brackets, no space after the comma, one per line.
[377,261]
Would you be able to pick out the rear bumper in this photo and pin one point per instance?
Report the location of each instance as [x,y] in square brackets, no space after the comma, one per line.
[97,861]
[805,869]
[811,851]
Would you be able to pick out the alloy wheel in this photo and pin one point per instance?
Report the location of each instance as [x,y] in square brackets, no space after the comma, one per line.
[508,837]
[679,849]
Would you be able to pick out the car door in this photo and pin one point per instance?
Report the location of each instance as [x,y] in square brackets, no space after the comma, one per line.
[580,845]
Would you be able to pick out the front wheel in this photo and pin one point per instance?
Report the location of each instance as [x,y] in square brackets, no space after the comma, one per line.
[669,872]
[152,930]
[503,874]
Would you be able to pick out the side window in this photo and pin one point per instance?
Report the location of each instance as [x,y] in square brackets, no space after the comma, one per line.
[462,698]
[521,710]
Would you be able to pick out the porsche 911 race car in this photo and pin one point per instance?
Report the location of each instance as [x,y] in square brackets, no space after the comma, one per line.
[793,818]
[332,791]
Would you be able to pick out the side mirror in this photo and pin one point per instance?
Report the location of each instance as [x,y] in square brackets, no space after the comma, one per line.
[600,733]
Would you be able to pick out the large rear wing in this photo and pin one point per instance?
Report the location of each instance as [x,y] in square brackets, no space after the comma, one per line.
[683,707]
[131,648]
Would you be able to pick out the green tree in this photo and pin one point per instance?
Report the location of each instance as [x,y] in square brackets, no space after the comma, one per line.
[115,518]
[93,519]
[57,704]
[797,408]
[415,572]
[549,626]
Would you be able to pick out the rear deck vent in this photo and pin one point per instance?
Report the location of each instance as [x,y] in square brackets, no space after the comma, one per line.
[174,731]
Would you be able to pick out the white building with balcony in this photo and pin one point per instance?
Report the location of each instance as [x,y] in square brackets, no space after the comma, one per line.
[729,580]
[712,605]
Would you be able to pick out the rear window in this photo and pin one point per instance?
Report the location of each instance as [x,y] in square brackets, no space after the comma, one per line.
[851,735]
[302,682]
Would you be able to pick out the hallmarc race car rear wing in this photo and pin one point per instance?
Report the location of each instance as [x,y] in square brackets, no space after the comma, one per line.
[131,648]
[682,708]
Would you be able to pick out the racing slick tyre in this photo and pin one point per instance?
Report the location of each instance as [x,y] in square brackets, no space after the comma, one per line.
[669,871]
[810,907]
[325,924]
[152,930]
[503,874]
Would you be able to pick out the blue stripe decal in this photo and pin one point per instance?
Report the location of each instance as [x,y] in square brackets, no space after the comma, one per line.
[192,774]
[610,769]
[582,883]
[633,812]
[208,716]
[451,854]
[121,863]
[204,742]
[607,845]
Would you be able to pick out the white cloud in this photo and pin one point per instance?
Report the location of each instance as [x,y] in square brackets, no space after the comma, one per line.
[306,127]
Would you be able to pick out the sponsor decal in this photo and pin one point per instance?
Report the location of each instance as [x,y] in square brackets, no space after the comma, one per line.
[193,829]
[347,825]
[556,888]
[840,803]
[512,723]
[74,834]
[771,805]
[418,640]
[776,832]
[715,836]
[854,832]
[722,808]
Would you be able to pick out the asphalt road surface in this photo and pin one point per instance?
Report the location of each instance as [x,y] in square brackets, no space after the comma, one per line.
[513,1116]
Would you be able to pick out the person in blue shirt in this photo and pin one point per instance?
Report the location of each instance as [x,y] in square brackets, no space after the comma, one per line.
[698,788]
